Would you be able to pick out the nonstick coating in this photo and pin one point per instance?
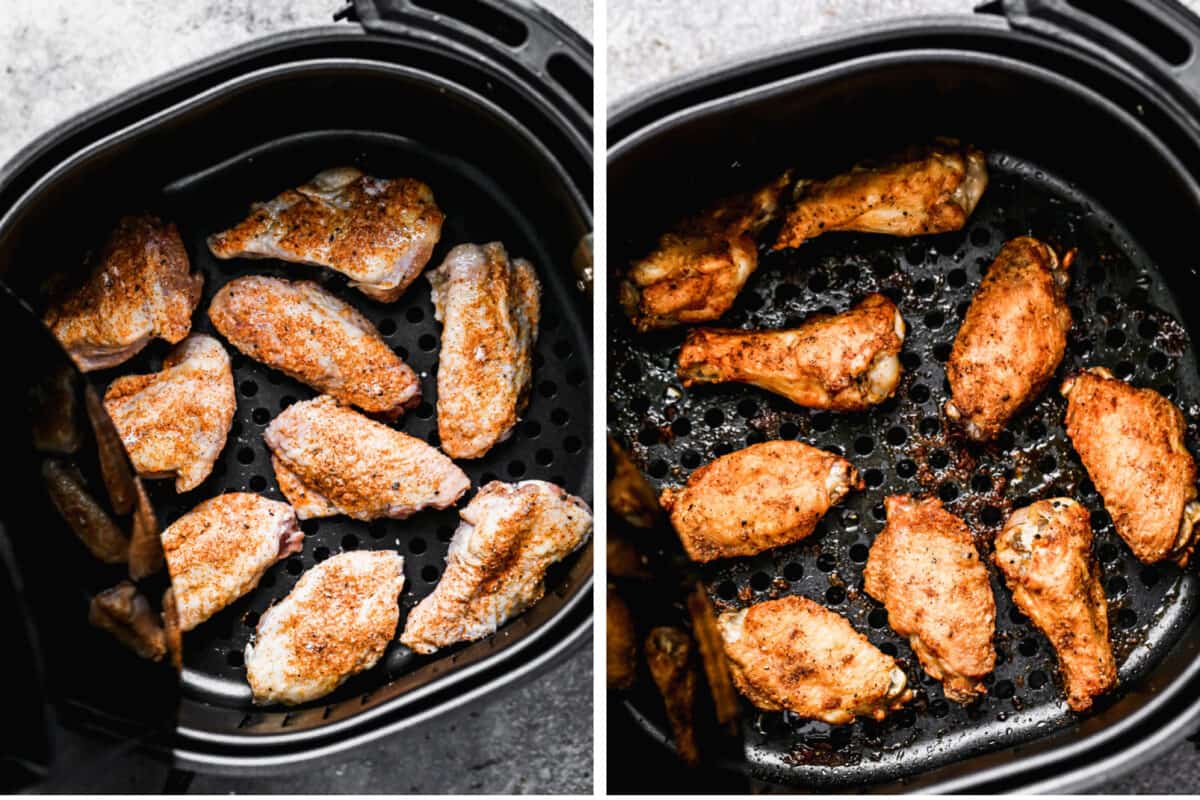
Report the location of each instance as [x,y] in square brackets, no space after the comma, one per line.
[551,443]
[1123,318]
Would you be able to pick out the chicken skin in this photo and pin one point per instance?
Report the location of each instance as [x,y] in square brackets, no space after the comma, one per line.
[378,232]
[141,289]
[303,330]
[1012,339]
[335,623]
[103,538]
[1045,553]
[793,654]
[331,460]
[926,571]
[509,535]
[174,422]
[1131,444]
[764,496]
[126,614]
[697,270]
[925,189]
[489,309]
[846,362]
[219,550]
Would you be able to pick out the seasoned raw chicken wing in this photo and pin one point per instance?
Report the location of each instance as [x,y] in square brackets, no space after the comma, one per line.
[925,189]
[509,535]
[1131,443]
[303,330]
[766,495]
[1012,339]
[140,289]
[926,571]
[378,232]
[335,623]
[219,550]
[846,362]
[174,422]
[489,310]
[1045,553]
[793,654]
[331,460]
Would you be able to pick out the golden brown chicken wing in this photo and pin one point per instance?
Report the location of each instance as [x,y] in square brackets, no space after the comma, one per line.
[846,362]
[766,495]
[925,189]
[1045,553]
[621,643]
[669,656]
[925,570]
[1131,443]
[697,270]
[1012,338]
[629,496]
[794,654]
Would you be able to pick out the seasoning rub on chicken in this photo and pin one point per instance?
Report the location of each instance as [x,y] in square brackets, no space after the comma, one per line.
[763,496]
[140,289]
[378,232]
[509,535]
[489,308]
[846,362]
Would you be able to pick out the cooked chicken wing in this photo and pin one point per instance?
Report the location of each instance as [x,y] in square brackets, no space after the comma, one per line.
[621,643]
[489,310]
[669,656]
[331,460]
[697,270]
[766,495]
[926,571]
[220,549]
[141,289]
[846,362]
[1131,443]
[712,654]
[378,232]
[126,614]
[1012,339]
[335,623]
[87,518]
[1045,553]
[54,412]
[174,422]
[509,535]
[115,467]
[794,654]
[629,496]
[145,539]
[925,189]
[303,330]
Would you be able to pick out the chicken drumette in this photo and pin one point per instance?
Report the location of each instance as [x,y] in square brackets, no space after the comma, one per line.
[1131,443]
[846,362]
[1012,339]
[1045,553]
[766,495]
[793,654]
[926,571]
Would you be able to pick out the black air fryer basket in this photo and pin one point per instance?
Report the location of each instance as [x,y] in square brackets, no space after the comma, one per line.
[1090,115]
[488,102]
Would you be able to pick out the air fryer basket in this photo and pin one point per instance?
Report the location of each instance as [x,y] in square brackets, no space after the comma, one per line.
[1130,298]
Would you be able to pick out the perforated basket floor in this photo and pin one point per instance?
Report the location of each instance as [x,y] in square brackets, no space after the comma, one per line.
[1123,318]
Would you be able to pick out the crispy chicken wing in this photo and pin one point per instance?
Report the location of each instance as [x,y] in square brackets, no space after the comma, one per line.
[126,614]
[141,289]
[621,643]
[925,189]
[926,571]
[1131,443]
[303,330]
[766,495]
[669,657]
[174,422]
[846,362]
[1012,339]
[220,549]
[697,270]
[86,517]
[378,232]
[331,460]
[335,623]
[509,535]
[1045,553]
[629,496]
[489,310]
[794,654]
